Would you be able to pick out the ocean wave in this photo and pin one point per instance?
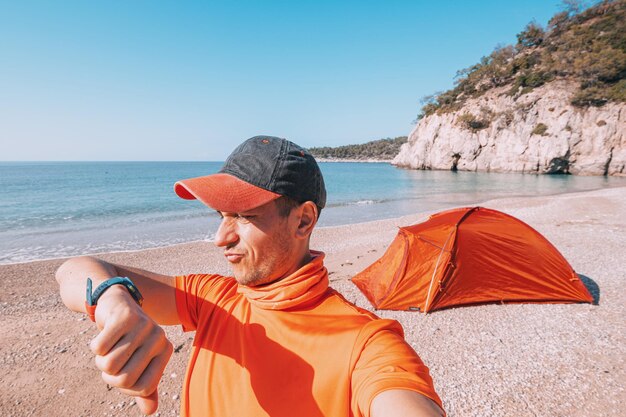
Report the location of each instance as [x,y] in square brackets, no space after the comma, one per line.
[53,224]
[367,202]
[38,252]
[370,202]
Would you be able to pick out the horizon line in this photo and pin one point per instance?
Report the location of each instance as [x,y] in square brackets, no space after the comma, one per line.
[102,160]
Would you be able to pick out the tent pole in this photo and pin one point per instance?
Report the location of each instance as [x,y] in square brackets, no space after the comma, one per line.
[432,279]
[456,228]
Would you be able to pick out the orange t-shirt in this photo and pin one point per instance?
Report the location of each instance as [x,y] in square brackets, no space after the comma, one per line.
[294,347]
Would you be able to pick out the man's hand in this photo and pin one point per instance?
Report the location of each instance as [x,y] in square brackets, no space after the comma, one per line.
[131,349]
[404,403]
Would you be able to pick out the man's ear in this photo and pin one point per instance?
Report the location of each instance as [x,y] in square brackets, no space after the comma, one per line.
[307,217]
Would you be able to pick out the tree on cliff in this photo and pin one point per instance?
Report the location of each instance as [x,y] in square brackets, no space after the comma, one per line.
[587,46]
[382,149]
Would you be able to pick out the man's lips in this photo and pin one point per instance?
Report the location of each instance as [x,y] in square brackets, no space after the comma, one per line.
[233,257]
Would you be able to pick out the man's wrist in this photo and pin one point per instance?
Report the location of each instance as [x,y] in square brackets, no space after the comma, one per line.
[114,287]
[116,291]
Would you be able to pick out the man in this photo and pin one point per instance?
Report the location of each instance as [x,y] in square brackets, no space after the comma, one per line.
[275,340]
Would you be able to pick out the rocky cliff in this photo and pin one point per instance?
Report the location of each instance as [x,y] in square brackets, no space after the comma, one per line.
[555,102]
[537,132]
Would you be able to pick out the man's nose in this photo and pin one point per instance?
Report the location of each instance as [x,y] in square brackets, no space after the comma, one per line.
[226,234]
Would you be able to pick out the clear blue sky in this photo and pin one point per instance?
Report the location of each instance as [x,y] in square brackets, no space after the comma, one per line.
[167,80]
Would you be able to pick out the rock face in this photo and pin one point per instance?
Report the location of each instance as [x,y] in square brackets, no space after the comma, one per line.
[537,132]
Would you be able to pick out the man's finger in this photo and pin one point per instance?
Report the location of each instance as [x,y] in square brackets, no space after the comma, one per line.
[111,333]
[119,355]
[152,375]
[149,379]
[138,364]
[148,405]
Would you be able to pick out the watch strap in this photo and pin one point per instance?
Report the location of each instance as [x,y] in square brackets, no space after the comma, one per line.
[92,297]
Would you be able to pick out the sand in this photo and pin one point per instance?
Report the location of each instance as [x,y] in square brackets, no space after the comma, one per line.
[491,360]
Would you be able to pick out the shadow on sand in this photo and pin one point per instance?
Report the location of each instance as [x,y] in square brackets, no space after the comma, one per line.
[592,287]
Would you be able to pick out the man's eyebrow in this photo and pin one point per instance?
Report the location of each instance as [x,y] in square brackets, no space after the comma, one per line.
[238,213]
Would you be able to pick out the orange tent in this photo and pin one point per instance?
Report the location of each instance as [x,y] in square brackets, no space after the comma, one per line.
[469,256]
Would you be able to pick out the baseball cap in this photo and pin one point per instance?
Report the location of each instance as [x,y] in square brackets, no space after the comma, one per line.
[260,170]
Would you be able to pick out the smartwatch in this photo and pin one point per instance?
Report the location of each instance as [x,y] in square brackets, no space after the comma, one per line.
[92,297]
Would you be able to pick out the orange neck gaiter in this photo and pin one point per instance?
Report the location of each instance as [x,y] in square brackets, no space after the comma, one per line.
[304,285]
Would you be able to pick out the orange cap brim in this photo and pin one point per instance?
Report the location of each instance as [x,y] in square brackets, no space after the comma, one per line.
[224,192]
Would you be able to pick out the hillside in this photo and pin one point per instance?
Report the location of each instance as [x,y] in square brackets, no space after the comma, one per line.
[588,48]
[377,150]
[553,103]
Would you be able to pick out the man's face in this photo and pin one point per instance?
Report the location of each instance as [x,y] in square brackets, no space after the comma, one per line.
[258,244]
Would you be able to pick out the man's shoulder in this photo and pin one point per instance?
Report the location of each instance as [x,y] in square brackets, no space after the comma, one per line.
[336,303]
[200,284]
[343,316]
[339,308]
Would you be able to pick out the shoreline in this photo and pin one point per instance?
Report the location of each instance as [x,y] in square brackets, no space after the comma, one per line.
[365,161]
[70,221]
[174,245]
[530,359]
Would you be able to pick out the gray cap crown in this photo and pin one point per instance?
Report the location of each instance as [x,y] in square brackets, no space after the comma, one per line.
[279,166]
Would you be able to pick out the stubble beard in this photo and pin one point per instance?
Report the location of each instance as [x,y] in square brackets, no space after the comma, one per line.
[264,271]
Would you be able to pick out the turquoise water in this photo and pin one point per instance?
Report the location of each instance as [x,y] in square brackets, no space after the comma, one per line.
[56,209]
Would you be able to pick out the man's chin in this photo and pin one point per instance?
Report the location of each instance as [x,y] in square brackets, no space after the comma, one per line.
[248,282]
[242,279]
[252,281]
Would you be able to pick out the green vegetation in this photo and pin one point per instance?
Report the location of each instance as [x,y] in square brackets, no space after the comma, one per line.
[540,129]
[472,122]
[585,46]
[382,149]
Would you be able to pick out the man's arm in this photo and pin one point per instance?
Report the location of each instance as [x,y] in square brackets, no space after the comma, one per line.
[131,349]
[158,290]
[403,403]
[389,378]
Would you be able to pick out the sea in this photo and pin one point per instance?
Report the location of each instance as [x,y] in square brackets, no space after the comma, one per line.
[59,209]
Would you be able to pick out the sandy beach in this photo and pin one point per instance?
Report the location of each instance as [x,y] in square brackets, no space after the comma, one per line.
[491,360]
